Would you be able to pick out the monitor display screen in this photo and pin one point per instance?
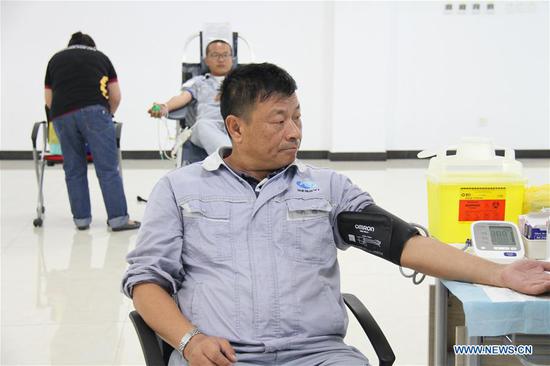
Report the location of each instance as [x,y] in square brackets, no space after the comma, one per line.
[502,236]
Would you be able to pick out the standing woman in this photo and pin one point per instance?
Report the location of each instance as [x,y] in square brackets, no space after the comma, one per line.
[82,92]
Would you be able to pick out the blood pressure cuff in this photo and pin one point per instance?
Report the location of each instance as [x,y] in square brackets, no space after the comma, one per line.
[376,231]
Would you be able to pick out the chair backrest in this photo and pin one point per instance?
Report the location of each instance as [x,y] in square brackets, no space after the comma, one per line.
[52,140]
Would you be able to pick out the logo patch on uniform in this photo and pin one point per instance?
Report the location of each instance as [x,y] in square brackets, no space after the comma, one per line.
[306,186]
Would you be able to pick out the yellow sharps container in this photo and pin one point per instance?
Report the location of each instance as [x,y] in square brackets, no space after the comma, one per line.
[472,185]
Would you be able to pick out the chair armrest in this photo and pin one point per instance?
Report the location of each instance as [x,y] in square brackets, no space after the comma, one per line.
[118,132]
[148,340]
[178,114]
[34,133]
[374,333]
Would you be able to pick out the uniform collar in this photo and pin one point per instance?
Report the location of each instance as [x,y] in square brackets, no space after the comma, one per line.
[215,160]
[81,46]
[217,79]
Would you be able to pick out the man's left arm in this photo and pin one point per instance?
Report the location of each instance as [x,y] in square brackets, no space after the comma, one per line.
[401,245]
[434,258]
[114,96]
[48,95]
[113,88]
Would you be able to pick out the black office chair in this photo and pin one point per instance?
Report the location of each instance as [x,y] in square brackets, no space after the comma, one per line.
[157,352]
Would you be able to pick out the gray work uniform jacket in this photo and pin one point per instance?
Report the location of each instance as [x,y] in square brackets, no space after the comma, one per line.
[205,89]
[258,270]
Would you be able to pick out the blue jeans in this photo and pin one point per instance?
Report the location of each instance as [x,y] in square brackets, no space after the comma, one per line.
[92,125]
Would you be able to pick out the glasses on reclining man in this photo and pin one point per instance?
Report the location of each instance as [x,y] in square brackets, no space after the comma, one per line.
[219,56]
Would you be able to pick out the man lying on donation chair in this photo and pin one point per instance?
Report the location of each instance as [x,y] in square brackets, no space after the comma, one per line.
[209,130]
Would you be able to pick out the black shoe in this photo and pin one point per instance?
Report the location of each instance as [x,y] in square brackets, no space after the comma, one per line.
[127,226]
[84,227]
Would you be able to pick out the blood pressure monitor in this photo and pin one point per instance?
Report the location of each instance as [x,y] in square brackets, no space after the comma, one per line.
[498,241]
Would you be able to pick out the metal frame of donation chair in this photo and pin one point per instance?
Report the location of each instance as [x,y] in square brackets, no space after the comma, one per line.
[186,151]
[157,352]
[42,157]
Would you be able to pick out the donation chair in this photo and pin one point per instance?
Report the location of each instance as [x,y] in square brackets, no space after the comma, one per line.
[157,352]
[50,154]
[186,151]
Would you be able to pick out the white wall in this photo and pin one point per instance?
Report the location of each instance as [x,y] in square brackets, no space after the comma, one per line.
[144,40]
[372,76]
[471,74]
[361,60]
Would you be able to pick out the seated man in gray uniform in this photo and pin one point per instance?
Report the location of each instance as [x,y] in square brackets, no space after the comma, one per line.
[236,262]
[209,130]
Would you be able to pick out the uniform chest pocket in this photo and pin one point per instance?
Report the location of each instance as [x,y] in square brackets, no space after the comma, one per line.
[308,229]
[207,229]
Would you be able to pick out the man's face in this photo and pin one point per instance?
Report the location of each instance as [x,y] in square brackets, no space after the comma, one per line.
[219,58]
[272,133]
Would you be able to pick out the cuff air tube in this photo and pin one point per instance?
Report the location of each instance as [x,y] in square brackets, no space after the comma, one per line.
[376,231]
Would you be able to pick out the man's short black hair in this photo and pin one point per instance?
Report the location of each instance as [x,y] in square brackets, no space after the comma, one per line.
[248,84]
[216,41]
[80,38]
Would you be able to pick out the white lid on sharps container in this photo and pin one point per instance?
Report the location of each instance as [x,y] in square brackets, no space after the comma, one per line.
[475,159]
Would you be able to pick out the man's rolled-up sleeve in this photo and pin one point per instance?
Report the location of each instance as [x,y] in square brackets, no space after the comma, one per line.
[157,256]
[346,196]
[191,86]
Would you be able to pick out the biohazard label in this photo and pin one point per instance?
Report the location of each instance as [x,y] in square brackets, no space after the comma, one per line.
[482,203]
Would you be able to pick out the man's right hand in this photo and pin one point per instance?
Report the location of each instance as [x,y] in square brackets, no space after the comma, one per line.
[158,110]
[203,350]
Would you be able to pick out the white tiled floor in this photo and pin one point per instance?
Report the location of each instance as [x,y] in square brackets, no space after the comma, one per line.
[60,298]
